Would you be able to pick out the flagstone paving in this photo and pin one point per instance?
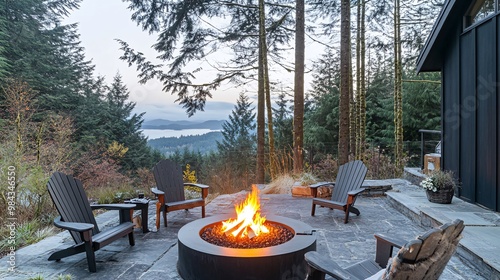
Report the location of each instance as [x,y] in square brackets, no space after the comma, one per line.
[155,254]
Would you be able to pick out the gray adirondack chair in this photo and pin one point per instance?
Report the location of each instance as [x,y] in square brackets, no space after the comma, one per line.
[76,216]
[170,191]
[346,188]
[425,257]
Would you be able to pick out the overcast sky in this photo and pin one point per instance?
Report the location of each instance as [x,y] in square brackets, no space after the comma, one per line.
[103,21]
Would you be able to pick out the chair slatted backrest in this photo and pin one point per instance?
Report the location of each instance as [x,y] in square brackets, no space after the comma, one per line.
[426,256]
[168,177]
[71,201]
[350,177]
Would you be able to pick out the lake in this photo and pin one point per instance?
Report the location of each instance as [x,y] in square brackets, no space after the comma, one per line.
[158,133]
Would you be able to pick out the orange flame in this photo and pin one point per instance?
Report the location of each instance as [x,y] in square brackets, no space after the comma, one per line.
[248,222]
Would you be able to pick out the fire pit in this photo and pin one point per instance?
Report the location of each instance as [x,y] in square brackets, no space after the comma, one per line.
[201,258]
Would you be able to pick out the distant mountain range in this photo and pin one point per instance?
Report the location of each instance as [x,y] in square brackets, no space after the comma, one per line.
[180,125]
[196,143]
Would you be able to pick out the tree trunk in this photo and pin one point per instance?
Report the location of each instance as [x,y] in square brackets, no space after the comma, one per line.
[298,115]
[362,83]
[261,160]
[398,99]
[358,81]
[345,56]
[267,88]
[353,114]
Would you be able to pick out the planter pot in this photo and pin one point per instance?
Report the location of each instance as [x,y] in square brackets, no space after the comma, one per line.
[442,196]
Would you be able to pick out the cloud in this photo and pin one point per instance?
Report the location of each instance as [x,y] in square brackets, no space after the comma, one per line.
[219,105]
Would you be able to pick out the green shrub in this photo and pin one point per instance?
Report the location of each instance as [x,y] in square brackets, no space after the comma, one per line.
[64,277]
[26,233]
[112,194]
[33,198]
[59,277]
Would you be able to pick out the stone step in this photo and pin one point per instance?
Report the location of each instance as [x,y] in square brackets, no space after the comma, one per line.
[480,242]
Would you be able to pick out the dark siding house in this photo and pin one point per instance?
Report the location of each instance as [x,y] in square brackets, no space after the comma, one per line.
[464,45]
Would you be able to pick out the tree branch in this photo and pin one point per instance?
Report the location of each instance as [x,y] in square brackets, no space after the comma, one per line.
[422,81]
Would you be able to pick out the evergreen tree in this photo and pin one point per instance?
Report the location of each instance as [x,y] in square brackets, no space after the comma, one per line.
[120,111]
[283,123]
[422,103]
[379,102]
[186,156]
[117,97]
[125,127]
[92,116]
[238,143]
[321,122]
[77,122]
[105,116]
[42,52]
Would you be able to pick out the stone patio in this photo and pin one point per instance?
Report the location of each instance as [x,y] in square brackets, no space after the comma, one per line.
[402,212]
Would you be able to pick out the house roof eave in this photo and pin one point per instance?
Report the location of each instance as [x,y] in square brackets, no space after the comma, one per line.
[430,58]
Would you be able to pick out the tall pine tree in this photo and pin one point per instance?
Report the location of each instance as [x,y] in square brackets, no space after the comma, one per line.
[321,124]
[238,143]
[283,123]
[125,128]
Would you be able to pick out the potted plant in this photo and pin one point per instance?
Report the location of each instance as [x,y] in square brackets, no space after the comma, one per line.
[439,186]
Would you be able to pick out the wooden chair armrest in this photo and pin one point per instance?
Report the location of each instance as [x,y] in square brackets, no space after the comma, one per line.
[385,247]
[201,186]
[79,227]
[314,187]
[394,241]
[124,209]
[161,198]
[156,191]
[320,184]
[356,192]
[320,265]
[118,206]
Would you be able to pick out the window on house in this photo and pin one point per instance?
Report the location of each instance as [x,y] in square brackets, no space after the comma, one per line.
[481,9]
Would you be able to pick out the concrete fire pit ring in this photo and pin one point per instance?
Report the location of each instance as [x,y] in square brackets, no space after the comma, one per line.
[199,259]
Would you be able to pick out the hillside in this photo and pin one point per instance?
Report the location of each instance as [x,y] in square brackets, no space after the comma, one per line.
[202,143]
[180,125]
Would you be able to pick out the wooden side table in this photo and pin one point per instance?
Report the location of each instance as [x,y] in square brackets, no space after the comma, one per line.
[143,205]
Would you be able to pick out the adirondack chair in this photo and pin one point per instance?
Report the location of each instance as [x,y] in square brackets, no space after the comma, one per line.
[76,216]
[170,191]
[346,188]
[425,257]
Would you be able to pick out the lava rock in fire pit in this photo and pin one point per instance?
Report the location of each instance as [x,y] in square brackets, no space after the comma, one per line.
[278,234]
